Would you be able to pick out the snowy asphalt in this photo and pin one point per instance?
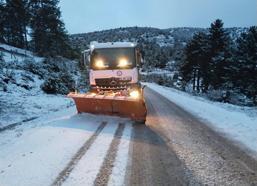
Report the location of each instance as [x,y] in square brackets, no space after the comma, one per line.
[173,148]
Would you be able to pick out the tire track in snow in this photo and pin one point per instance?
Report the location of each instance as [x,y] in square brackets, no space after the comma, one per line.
[90,164]
[64,174]
[13,125]
[106,168]
[122,161]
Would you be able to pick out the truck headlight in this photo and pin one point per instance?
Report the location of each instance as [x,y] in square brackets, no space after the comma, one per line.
[134,94]
[123,62]
[99,63]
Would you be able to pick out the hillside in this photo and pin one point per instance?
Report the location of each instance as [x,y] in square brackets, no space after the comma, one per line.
[159,46]
[25,80]
[162,36]
[162,49]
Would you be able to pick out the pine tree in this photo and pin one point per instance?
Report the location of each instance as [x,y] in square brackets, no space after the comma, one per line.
[49,36]
[2,21]
[219,54]
[16,22]
[196,65]
[39,28]
[246,63]
[1,56]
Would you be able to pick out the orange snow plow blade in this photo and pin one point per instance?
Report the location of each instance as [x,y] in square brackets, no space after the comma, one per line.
[122,106]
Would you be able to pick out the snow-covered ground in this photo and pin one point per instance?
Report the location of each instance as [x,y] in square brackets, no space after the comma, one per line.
[161,72]
[18,103]
[237,123]
[19,106]
[162,40]
[12,53]
[35,153]
[23,98]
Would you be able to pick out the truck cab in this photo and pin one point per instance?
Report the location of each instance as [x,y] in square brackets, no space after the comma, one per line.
[114,65]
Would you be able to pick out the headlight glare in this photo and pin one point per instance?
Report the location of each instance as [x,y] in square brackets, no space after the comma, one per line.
[99,63]
[134,94]
[123,62]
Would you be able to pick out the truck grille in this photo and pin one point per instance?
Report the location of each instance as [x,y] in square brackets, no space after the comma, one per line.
[112,82]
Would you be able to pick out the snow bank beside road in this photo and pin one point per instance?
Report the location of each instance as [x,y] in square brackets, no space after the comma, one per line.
[239,123]
[21,76]
[11,53]
[19,104]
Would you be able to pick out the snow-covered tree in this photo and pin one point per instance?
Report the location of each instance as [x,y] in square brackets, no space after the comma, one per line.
[2,22]
[49,36]
[1,56]
[246,63]
[196,66]
[220,55]
[208,59]
[16,22]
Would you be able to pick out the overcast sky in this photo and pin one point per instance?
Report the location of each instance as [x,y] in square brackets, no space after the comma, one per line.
[91,15]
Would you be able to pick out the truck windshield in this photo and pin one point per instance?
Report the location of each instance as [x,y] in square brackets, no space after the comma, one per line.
[113,58]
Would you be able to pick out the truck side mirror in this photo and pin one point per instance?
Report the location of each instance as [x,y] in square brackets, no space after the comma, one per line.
[87,61]
[86,57]
[140,60]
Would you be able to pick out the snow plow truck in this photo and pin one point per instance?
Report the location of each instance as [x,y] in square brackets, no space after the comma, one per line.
[115,87]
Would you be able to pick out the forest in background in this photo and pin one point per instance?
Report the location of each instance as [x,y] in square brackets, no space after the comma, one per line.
[217,62]
[35,25]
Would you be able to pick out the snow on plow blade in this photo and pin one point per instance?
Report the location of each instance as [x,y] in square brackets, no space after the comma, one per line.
[122,106]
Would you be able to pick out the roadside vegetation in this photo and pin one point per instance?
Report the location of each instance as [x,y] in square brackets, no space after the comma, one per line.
[218,63]
[227,70]
[36,26]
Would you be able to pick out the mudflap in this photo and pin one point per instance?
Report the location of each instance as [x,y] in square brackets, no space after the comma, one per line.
[121,106]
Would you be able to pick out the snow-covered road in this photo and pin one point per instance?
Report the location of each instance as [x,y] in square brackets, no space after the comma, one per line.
[174,147]
[237,123]
[38,153]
